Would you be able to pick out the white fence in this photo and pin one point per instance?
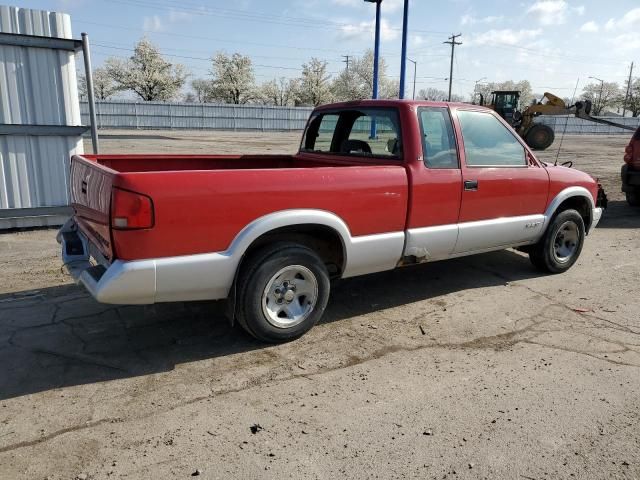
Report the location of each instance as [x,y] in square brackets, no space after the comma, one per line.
[210,116]
[579,126]
[196,116]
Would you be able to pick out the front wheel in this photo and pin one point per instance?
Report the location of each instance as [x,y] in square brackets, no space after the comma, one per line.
[561,244]
[283,292]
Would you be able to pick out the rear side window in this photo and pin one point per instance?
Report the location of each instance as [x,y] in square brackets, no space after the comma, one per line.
[438,138]
[373,132]
[488,143]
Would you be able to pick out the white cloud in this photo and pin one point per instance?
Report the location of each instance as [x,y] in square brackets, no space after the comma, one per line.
[365,30]
[554,12]
[417,40]
[629,20]
[471,20]
[626,43]
[504,37]
[549,12]
[388,6]
[153,24]
[156,23]
[590,27]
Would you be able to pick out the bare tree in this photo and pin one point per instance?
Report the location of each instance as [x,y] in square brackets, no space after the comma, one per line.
[146,73]
[433,94]
[233,79]
[633,101]
[190,97]
[356,82]
[315,88]
[602,95]
[202,90]
[103,85]
[281,92]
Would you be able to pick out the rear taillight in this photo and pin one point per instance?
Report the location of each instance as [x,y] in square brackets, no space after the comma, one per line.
[628,153]
[130,210]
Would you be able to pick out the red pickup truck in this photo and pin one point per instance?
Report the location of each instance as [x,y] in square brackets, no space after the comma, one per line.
[375,185]
[631,171]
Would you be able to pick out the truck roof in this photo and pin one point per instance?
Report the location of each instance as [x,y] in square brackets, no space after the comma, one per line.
[390,103]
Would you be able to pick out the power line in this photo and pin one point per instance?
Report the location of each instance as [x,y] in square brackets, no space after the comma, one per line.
[261,17]
[211,39]
[453,43]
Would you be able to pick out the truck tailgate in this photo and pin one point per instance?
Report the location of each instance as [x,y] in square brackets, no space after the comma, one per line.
[91,200]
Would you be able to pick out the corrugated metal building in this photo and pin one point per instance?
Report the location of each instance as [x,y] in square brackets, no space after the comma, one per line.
[37,88]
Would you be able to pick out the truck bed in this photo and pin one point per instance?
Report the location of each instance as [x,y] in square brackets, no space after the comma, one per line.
[165,163]
[201,203]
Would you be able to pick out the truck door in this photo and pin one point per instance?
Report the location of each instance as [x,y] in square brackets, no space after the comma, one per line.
[504,188]
[436,188]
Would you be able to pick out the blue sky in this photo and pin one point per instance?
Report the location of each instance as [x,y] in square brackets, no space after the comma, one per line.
[551,43]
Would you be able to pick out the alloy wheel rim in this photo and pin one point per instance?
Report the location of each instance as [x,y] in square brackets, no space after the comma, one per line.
[565,243]
[290,296]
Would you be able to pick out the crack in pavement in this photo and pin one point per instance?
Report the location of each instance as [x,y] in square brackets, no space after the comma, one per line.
[498,342]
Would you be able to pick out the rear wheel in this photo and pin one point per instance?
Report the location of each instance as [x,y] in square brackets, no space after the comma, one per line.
[561,244]
[540,137]
[633,198]
[283,292]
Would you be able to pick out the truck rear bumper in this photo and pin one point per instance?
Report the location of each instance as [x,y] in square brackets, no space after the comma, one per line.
[149,281]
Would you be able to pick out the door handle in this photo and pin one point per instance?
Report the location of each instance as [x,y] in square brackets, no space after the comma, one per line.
[471,185]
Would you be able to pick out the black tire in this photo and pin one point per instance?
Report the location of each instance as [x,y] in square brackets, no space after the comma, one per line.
[633,198]
[554,252]
[259,270]
[540,137]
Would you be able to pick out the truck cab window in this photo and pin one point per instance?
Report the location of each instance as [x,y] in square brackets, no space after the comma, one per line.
[349,132]
[438,138]
[488,143]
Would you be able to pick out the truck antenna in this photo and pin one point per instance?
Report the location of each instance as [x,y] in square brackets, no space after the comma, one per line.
[566,121]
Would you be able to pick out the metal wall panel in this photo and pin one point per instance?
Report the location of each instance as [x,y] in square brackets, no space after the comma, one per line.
[38,87]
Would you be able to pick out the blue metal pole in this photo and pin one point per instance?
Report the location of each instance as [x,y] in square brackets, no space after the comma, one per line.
[376,61]
[403,59]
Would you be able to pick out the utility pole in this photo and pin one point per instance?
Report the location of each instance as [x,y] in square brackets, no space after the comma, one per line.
[346,60]
[453,43]
[626,97]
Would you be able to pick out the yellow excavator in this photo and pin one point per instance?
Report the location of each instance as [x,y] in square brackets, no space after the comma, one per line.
[537,135]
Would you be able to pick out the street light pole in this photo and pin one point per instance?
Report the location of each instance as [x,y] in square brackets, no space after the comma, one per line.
[376,60]
[403,58]
[599,96]
[415,71]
